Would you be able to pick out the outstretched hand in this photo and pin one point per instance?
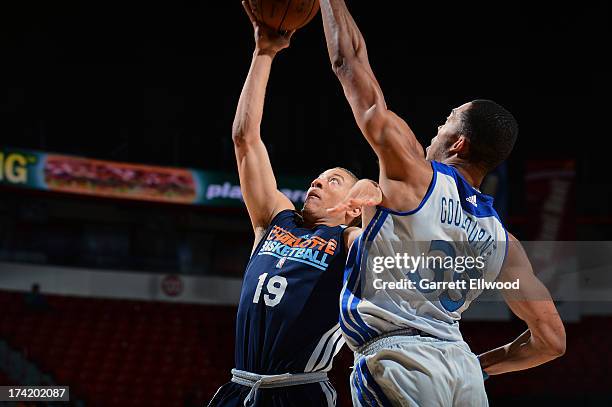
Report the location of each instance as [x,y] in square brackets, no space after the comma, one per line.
[364,193]
[266,38]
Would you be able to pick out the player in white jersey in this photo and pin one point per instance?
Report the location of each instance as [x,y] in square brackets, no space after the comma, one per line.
[400,309]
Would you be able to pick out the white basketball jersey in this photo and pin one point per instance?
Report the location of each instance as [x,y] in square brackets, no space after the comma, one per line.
[406,269]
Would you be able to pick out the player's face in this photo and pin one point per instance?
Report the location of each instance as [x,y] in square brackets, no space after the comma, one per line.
[447,135]
[327,191]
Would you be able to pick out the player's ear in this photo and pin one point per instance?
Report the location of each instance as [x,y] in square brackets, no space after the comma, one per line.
[461,147]
[353,217]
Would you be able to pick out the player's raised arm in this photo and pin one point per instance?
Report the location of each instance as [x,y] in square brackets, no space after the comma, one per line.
[545,339]
[261,195]
[401,155]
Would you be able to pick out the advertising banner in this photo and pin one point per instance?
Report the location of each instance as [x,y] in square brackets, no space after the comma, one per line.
[85,176]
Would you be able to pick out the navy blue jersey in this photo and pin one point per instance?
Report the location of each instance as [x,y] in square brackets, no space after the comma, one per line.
[289,305]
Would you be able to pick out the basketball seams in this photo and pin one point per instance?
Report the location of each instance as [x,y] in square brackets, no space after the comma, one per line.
[284,15]
[305,21]
[295,14]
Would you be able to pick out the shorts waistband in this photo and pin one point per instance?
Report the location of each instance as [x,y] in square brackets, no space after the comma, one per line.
[391,338]
[256,381]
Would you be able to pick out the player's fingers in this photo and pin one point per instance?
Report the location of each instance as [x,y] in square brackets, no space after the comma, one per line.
[354,203]
[333,209]
[249,12]
[338,208]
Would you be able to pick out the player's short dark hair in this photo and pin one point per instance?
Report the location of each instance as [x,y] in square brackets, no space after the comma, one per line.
[350,173]
[492,131]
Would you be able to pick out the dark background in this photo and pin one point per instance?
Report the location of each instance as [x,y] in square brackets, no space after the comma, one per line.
[158,83]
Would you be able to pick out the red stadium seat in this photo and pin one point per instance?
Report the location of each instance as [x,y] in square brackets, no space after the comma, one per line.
[134,353]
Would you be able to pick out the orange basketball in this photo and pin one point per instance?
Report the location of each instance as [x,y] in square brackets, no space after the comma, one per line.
[284,15]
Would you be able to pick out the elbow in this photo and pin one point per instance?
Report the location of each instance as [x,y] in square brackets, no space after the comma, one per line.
[553,341]
[238,136]
[338,65]
[241,136]
[554,348]
[558,344]
[341,65]
[241,139]
[238,139]
[557,349]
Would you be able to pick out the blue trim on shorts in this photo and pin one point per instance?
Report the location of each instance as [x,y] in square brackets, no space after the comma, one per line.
[358,389]
[371,398]
[363,366]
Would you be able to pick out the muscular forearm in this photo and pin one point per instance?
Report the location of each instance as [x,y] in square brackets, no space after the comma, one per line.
[349,58]
[250,107]
[344,40]
[524,352]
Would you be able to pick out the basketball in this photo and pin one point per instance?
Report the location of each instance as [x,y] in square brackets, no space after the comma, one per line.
[284,15]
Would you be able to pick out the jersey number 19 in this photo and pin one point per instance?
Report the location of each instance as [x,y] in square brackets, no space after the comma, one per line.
[276,289]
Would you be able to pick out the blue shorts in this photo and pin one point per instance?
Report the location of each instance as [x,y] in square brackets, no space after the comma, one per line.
[305,395]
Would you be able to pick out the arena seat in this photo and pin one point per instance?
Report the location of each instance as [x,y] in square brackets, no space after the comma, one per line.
[117,352]
[5,381]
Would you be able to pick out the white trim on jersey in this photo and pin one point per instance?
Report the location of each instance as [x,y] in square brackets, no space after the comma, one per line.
[326,361]
[330,393]
[331,341]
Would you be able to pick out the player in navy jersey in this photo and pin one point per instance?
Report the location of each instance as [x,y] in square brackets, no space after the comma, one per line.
[408,347]
[287,330]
